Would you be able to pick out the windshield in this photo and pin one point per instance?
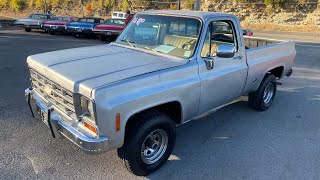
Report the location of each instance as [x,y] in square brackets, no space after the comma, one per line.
[176,36]
[62,19]
[38,16]
[87,20]
[114,22]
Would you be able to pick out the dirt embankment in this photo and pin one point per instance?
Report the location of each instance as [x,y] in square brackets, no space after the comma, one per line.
[295,17]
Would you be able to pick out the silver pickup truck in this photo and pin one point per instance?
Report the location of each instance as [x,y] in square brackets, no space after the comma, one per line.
[165,69]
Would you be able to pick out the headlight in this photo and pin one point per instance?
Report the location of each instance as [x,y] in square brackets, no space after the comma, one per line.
[90,107]
[87,107]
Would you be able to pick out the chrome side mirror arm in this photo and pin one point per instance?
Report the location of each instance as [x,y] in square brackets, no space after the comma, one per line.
[209,62]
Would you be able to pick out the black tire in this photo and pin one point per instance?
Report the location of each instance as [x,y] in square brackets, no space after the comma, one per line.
[102,38]
[110,39]
[52,32]
[136,136]
[27,29]
[258,100]
[76,35]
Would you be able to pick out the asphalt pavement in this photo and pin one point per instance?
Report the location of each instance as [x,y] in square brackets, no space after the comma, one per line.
[235,142]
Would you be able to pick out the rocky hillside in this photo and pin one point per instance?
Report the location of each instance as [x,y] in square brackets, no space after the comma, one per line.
[282,15]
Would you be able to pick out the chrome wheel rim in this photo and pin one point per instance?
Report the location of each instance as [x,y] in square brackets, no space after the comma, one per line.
[268,93]
[154,146]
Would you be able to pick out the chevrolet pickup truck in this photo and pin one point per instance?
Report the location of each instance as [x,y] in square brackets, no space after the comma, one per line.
[165,69]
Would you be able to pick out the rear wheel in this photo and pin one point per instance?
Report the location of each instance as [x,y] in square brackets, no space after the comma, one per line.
[27,29]
[262,99]
[102,38]
[75,35]
[149,142]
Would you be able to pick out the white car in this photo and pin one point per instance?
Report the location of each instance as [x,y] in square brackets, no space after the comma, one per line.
[117,15]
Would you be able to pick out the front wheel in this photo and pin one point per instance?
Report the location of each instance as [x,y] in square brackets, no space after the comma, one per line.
[149,142]
[262,99]
[52,32]
[27,29]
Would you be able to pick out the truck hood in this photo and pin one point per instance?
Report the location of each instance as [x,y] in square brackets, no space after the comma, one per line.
[81,70]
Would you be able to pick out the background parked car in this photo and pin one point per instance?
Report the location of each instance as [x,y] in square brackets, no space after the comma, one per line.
[121,15]
[33,21]
[111,28]
[83,26]
[247,32]
[57,24]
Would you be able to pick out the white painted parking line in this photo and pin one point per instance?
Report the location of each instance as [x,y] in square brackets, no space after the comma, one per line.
[309,45]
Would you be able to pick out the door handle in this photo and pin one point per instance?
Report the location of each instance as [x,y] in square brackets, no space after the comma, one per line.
[237,57]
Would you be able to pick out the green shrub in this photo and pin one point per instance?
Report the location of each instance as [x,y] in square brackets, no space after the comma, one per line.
[31,3]
[274,3]
[39,3]
[54,3]
[3,3]
[17,5]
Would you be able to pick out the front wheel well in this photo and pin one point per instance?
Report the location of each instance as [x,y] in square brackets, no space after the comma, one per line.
[171,109]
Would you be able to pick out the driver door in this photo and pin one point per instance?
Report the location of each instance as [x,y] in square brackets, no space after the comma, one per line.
[225,80]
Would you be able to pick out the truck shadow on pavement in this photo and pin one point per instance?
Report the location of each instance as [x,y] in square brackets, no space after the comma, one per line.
[235,142]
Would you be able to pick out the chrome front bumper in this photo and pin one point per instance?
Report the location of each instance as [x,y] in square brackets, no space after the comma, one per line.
[61,125]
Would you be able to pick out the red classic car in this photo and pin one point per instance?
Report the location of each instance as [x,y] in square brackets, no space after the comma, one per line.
[111,28]
[57,24]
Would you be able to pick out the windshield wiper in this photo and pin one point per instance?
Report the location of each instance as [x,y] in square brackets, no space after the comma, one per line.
[153,50]
[129,42]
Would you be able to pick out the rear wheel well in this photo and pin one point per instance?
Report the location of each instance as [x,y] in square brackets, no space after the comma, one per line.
[171,109]
[277,72]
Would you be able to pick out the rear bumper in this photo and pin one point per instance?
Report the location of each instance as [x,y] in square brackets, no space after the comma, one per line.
[61,126]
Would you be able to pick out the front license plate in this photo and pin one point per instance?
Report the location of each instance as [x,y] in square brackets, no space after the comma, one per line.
[43,115]
[54,27]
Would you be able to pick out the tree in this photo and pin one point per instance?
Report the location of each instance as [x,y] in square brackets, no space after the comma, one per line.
[17,5]
[274,3]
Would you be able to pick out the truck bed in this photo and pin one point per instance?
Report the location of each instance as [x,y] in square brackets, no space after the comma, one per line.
[264,55]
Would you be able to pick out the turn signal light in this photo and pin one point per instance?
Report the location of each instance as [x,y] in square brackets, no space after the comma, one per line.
[90,127]
[117,122]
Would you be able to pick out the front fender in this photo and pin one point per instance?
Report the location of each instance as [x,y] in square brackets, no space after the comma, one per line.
[131,96]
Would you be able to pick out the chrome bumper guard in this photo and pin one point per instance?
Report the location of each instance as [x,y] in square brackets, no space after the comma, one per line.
[60,129]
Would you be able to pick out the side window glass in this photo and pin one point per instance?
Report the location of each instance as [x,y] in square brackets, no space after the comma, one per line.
[218,32]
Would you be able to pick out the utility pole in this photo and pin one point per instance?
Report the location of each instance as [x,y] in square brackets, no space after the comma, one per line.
[179,4]
[45,6]
[197,5]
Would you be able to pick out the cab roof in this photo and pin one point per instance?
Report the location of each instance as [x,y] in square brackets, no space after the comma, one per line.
[199,14]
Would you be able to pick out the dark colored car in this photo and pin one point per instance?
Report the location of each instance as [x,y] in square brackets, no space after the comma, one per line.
[83,26]
[57,24]
[33,21]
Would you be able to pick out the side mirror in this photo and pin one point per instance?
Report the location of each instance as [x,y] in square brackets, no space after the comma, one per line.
[225,50]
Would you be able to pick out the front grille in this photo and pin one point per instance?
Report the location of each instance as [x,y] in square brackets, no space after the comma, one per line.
[55,94]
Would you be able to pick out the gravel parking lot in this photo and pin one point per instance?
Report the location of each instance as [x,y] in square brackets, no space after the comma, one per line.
[233,143]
